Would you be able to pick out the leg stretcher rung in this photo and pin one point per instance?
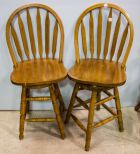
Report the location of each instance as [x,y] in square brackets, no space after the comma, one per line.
[104,121]
[85,102]
[105,100]
[78,122]
[41,119]
[45,98]
[82,103]
[107,93]
[109,109]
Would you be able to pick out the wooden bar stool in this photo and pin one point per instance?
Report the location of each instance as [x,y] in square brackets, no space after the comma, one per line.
[103,65]
[28,33]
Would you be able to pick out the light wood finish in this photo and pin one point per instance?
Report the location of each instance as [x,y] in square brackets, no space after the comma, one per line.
[47,34]
[16,41]
[84,42]
[39,33]
[98,100]
[38,98]
[32,71]
[108,31]
[100,7]
[82,103]
[123,40]
[90,120]
[99,72]
[55,35]
[104,100]
[91,34]
[59,96]
[38,72]
[72,101]
[118,107]
[115,36]
[57,112]
[78,122]
[41,120]
[104,70]
[26,8]
[23,36]
[99,34]
[104,121]
[31,34]
[22,113]
[109,109]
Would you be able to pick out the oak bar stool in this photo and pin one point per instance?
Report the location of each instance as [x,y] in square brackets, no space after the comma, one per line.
[33,56]
[103,67]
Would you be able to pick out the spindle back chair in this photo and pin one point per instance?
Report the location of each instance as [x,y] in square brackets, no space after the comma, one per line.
[34,35]
[28,40]
[105,47]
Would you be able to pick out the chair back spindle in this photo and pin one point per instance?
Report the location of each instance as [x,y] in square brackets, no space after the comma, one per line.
[99,33]
[91,34]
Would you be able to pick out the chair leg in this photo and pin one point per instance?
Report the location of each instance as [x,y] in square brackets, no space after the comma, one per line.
[90,120]
[28,102]
[137,107]
[22,113]
[118,107]
[62,105]
[72,101]
[57,112]
[98,99]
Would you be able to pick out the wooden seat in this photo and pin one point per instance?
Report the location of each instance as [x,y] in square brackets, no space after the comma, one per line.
[103,38]
[38,72]
[98,72]
[35,38]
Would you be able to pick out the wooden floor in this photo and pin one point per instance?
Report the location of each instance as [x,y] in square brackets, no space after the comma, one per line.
[42,138]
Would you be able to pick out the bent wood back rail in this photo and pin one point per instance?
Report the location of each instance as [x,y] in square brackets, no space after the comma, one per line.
[33,40]
[104,34]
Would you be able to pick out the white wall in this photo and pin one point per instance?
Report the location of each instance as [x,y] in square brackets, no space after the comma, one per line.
[68,10]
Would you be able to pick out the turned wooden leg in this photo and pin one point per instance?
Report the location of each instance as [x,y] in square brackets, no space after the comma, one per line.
[118,107]
[98,99]
[62,105]
[22,113]
[72,101]
[90,120]
[137,107]
[28,102]
[57,112]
